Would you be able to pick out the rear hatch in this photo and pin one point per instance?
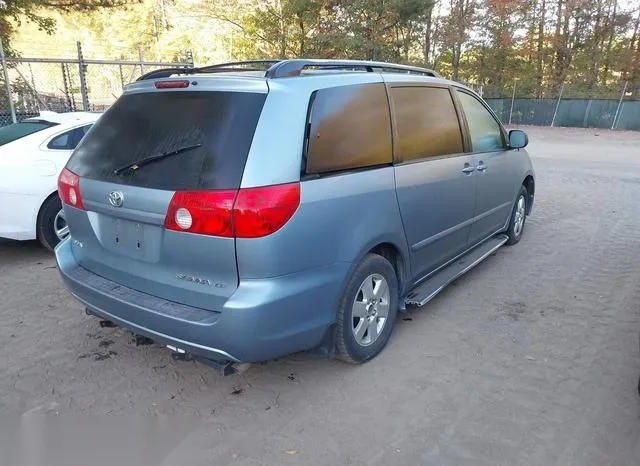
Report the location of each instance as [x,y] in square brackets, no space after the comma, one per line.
[203,138]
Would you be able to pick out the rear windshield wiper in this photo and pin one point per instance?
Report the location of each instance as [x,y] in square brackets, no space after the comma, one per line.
[147,160]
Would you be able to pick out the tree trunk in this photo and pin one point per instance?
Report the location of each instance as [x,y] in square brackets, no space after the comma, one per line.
[282,38]
[427,36]
[436,30]
[612,33]
[303,36]
[558,45]
[596,51]
[634,60]
[406,42]
[457,51]
[461,17]
[540,51]
[563,41]
[481,71]
[163,12]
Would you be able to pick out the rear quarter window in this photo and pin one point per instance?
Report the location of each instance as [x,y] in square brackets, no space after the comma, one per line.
[141,125]
[349,127]
[61,142]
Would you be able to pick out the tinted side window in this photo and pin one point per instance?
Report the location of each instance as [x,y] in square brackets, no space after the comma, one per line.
[426,122]
[62,142]
[484,130]
[349,127]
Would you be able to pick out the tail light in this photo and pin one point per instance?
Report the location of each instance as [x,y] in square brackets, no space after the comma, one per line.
[203,212]
[247,213]
[262,211]
[69,189]
[172,84]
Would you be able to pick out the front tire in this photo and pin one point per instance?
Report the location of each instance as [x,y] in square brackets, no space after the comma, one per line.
[367,311]
[518,217]
[51,225]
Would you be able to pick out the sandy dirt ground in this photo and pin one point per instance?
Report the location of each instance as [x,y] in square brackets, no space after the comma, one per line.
[530,359]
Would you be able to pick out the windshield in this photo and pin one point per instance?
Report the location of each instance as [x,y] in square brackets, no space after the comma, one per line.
[216,126]
[19,130]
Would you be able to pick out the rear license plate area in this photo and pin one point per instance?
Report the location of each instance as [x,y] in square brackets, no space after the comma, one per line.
[130,238]
[127,235]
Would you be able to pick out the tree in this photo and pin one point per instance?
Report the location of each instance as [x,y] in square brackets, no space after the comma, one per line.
[501,20]
[587,44]
[15,11]
[631,66]
[456,29]
[541,12]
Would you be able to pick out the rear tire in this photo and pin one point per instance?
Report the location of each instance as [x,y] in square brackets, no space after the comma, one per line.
[51,226]
[367,310]
[518,217]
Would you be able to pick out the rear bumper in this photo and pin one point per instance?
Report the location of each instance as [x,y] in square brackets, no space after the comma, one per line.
[264,319]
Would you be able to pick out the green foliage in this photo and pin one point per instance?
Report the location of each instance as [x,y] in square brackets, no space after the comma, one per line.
[538,44]
[15,12]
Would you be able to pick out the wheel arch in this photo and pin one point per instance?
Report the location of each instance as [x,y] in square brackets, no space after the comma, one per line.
[530,185]
[399,259]
[392,251]
[44,201]
[36,228]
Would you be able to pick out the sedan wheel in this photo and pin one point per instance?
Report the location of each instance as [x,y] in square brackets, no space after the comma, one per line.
[60,225]
[52,225]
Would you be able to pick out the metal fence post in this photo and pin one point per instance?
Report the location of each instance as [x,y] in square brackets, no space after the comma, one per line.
[141,57]
[7,84]
[121,76]
[585,122]
[66,86]
[83,79]
[615,117]
[189,55]
[513,97]
[555,113]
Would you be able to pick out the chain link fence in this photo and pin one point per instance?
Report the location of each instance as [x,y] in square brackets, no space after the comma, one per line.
[31,85]
[611,107]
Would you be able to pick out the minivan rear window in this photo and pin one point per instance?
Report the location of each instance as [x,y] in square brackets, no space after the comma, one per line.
[142,125]
[19,130]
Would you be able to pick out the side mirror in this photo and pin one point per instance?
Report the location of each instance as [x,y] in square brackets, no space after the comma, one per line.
[518,139]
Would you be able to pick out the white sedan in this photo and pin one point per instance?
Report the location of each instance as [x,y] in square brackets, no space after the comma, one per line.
[32,155]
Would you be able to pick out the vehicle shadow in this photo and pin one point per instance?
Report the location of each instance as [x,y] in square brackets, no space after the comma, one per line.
[23,250]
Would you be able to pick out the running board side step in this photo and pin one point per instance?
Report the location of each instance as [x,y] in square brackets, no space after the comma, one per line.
[428,289]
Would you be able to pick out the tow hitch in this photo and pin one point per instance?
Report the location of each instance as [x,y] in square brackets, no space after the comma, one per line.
[223,367]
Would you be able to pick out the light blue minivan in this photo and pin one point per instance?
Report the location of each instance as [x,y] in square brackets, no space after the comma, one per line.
[246,211]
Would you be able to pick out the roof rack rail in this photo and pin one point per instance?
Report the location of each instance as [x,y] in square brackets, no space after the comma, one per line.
[288,68]
[256,65]
[164,73]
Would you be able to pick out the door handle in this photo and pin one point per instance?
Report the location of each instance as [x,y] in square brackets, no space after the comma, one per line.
[468,169]
[481,167]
